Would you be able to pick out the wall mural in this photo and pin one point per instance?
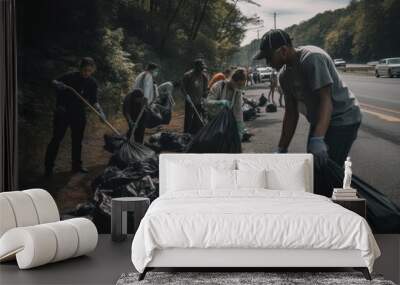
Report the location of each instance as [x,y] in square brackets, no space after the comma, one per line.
[106,86]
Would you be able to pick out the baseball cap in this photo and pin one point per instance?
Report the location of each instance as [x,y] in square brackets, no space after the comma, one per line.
[271,41]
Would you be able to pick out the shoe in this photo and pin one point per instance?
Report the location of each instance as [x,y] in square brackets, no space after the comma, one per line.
[80,169]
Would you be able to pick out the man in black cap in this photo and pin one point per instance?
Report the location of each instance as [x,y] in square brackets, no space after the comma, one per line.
[70,113]
[194,84]
[313,87]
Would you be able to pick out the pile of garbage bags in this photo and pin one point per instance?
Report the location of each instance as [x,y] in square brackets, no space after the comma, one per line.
[169,141]
[132,172]
[250,109]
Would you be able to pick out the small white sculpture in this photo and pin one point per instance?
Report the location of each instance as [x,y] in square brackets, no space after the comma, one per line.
[347,174]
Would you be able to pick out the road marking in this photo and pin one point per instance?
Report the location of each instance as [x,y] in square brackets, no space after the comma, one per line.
[380,108]
[383,116]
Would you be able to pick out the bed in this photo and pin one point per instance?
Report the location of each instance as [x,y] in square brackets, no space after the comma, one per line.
[247,211]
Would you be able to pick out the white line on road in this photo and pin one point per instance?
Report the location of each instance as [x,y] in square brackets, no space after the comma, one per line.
[383,116]
[380,108]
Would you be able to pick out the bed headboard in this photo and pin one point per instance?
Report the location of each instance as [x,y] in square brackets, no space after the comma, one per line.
[212,158]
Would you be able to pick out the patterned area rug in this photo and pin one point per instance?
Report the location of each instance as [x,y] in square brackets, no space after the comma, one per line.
[244,278]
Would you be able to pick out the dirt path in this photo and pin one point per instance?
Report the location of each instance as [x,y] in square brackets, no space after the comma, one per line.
[69,190]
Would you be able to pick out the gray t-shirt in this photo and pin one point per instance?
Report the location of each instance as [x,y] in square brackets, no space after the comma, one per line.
[314,70]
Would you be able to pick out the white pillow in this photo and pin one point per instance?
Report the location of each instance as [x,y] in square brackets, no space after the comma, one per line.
[281,174]
[251,178]
[182,177]
[292,178]
[223,179]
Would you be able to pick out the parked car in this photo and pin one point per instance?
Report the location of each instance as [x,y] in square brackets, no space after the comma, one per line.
[265,73]
[340,63]
[388,67]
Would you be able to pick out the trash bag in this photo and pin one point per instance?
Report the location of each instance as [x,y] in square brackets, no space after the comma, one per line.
[246,136]
[262,101]
[85,209]
[220,135]
[114,177]
[169,141]
[113,143]
[251,102]
[143,187]
[383,215]
[249,113]
[271,108]
[138,179]
[129,153]
[158,113]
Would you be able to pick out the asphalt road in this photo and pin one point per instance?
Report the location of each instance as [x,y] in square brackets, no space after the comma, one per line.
[376,152]
[380,101]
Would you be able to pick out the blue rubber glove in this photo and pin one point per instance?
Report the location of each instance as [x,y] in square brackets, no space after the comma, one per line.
[319,149]
[223,103]
[241,128]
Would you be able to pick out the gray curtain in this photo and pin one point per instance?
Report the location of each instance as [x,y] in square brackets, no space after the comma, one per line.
[8,97]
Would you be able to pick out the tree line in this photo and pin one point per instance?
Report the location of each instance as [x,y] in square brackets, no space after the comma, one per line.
[122,36]
[366,30]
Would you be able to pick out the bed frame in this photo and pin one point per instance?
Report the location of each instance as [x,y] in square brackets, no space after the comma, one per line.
[248,259]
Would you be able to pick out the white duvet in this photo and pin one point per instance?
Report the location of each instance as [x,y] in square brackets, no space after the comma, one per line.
[250,219]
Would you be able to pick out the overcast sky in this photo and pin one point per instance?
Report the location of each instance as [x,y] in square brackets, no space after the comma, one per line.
[289,12]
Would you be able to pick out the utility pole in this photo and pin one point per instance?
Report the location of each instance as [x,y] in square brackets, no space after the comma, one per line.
[275,20]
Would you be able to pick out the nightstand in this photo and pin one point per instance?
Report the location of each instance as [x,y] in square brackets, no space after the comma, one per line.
[119,209]
[358,205]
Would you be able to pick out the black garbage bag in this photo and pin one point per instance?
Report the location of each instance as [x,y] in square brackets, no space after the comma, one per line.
[262,101]
[158,113]
[251,102]
[220,135]
[169,141]
[247,136]
[271,108]
[114,177]
[138,180]
[85,209]
[249,112]
[130,153]
[383,215]
[113,142]
[144,187]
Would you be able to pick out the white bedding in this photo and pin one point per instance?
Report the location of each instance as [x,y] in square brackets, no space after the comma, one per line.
[252,218]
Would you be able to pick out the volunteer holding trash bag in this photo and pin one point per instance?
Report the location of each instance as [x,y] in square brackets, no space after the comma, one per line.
[313,87]
[70,113]
[144,92]
[194,85]
[132,106]
[229,93]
